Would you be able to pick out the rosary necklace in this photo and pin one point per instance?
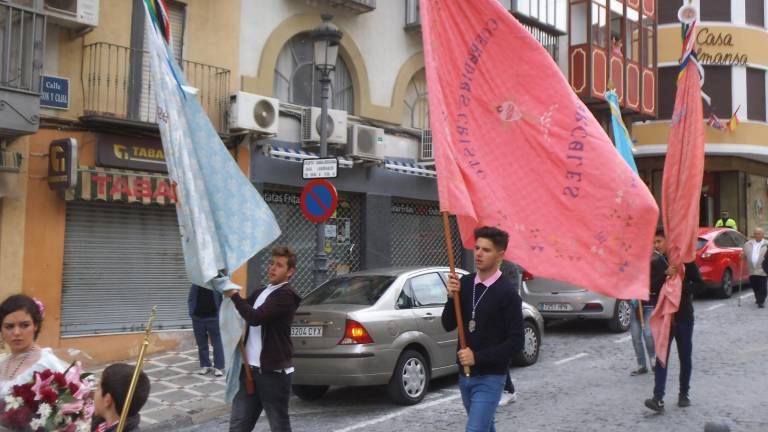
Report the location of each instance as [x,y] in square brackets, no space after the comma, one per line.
[24,356]
[472,322]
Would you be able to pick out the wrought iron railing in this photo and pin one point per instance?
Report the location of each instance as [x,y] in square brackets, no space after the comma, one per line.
[116,82]
[10,161]
[22,43]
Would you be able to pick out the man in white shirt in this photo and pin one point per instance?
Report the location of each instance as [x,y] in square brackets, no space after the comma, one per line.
[754,252]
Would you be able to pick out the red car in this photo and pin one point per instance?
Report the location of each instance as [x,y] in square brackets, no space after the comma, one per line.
[719,257]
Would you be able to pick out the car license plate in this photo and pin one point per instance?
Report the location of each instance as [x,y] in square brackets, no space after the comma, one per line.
[306,331]
[555,307]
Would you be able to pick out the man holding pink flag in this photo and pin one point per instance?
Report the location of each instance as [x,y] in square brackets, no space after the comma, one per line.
[681,189]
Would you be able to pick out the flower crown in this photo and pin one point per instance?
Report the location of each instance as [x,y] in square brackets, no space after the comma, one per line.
[40,306]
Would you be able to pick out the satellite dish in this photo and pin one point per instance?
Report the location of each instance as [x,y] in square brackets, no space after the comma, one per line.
[264,113]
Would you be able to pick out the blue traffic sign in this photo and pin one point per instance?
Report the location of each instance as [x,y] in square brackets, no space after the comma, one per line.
[319,200]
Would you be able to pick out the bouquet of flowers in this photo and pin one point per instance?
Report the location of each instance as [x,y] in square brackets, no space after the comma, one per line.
[51,401]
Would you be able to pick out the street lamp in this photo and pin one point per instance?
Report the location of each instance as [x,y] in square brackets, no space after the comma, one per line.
[326,38]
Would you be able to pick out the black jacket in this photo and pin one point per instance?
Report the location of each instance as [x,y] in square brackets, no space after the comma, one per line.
[499,319]
[692,284]
[275,317]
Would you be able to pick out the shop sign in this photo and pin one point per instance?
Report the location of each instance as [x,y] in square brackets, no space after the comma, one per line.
[113,186]
[140,154]
[419,210]
[54,92]
[62,164]
[715,48]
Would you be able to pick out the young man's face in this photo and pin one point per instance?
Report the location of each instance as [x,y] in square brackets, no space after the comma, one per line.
[279,271]
[487,257]
[100,402]
[660,244]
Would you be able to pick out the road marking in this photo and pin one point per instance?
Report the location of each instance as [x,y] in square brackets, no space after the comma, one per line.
[713,307]
[399,413]
[747,295]
[566,360]
[624,339]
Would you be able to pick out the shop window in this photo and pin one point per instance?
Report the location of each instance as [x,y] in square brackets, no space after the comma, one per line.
[667,78]
[717,84]
[755,94]
[668,11]
[416,112]
[297,80]
[755,12]
[716,10]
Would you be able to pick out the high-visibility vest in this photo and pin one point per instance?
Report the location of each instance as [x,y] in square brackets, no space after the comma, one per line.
[729,223]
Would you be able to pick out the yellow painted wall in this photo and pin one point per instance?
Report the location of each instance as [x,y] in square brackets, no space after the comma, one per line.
[12,222]
[746,40]
[745,133]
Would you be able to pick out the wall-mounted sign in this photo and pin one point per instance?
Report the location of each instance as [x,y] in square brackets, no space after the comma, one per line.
[62,164]
[110,186]
[54,92]
[717,48]
[140,154]
[320,168]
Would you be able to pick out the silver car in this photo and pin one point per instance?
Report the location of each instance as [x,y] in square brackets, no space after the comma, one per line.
[556,299]
[383,327]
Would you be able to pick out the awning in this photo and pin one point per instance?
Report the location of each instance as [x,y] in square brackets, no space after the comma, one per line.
[113,185]
[410,169]
[300,155]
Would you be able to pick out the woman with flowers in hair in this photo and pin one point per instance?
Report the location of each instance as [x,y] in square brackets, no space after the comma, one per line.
[21,318]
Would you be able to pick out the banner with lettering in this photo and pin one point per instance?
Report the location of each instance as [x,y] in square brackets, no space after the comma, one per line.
[95,184]
[517,149]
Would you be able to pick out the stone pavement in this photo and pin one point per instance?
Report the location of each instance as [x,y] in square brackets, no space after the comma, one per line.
[179,396]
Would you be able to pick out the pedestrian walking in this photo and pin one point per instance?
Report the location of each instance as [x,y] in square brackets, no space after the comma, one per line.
[492,314]
[682,325]
[754,252]
[726,221]
[268,348]
[515,274]
[639,324]
[203,307]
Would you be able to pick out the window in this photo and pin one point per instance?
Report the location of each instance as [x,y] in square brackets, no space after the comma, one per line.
[650,43]
[737,238]
[356,290]
[755,12]
[429,290]
[632,42]
[700,243]
[297,80]
[755,94]
[599,23]
[405,300]
[724,241]
[416,112]
[717,84]
[668,11]
[667,87]
[716,10]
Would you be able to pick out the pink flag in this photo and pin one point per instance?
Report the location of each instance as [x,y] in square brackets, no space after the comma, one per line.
[681,189]
[516,148]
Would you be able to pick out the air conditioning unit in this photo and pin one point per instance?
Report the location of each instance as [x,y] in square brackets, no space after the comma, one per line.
[336,129]
[73,13]
[426,151]
[366,142]
[251,112]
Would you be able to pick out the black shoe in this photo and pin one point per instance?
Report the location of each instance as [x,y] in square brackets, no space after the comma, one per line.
[655,404]
[761,305]
[683,401]
[639,371]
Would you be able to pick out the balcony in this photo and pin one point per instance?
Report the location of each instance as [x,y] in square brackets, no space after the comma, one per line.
[359,6]
[117,84]
[22,43]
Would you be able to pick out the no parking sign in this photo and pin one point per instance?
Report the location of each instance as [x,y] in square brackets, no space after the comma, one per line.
[319,200]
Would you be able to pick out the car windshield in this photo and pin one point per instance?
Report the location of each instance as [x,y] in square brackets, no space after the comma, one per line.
[355,290]
[700,243]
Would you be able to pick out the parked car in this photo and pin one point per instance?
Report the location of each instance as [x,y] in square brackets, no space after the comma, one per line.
[720,260]
[383,327]
[556,299]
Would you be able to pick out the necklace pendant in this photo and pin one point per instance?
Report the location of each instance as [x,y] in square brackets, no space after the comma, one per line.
[472,326]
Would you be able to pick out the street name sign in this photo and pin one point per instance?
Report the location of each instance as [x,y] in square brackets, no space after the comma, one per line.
[320,168]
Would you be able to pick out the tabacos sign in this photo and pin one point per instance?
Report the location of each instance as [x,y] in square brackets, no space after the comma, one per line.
[62,163]
[104,185]
[141,154]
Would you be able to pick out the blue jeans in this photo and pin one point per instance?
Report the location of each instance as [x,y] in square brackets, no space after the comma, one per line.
[481,395]
[203,328]
[637,338]
[683,335]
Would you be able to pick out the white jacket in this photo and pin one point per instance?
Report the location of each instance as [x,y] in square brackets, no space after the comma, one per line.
[755,269]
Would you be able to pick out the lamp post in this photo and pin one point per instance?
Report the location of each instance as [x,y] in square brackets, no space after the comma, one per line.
[325,38]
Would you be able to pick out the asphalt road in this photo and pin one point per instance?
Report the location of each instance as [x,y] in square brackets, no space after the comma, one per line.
[582,383]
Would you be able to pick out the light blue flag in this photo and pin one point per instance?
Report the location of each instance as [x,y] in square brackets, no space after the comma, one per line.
[620,133]
[222,218]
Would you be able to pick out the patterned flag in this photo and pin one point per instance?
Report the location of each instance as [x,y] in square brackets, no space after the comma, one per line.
[620,133]
[517,149]
[681,187]
[223,219]
[734,121]
[716,122]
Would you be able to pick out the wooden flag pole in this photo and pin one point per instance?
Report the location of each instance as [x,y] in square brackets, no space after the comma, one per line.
[456,300]
[640,314]
[250,387]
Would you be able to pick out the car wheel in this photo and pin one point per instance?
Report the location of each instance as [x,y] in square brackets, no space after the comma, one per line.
[621,317]
[530,353]
[726,288]
[309,392]
[410,380]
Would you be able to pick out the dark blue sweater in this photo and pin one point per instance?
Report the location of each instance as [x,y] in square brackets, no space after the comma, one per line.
[499,320]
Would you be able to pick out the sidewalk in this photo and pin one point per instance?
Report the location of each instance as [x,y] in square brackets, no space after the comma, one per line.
[179,396]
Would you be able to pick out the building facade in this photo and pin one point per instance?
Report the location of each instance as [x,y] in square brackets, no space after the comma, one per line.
[731,41]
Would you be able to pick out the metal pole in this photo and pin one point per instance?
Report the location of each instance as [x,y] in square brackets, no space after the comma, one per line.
[321,259]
